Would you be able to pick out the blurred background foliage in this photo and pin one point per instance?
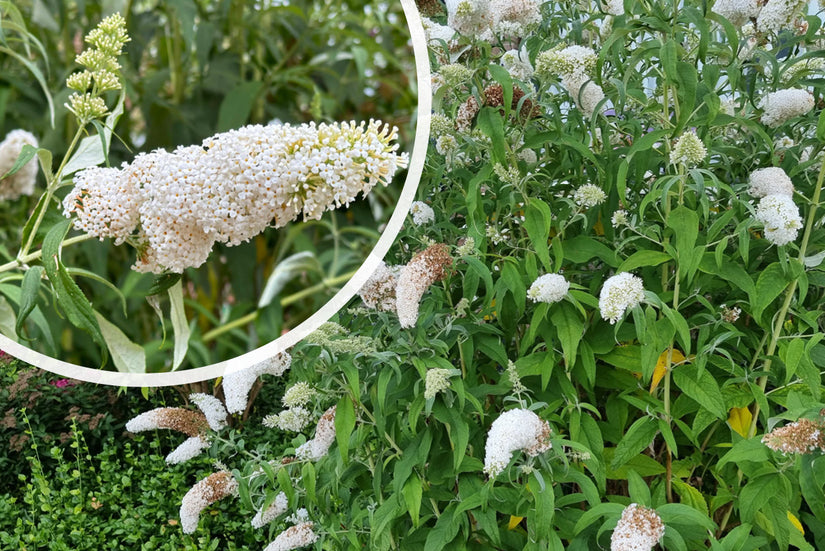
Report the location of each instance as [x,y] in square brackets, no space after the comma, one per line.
[194,68]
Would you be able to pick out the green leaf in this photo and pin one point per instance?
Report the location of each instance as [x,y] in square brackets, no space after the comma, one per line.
[308,481]
[703,388]
[772,281]
[679,513]
[7,319]
[685,225]
[537,221]
[643,258]
[344,425]
[127,356]
[27,153]
[540,518]
[180,326]
[688,495]
[71,299]
[491,123]
[162,283]
[237,105]
[638,489]
[745,450]
[29,290]
[638,437]
[592,514]
[820,127]
[757,494]
[444,532]
[570,328]
[285,271]
[413,491]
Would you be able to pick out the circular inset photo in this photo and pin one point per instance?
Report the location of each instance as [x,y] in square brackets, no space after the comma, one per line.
[183,184]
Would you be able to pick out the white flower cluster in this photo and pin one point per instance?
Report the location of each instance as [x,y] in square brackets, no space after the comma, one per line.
[189,448]
[237,384]
[639,529]
[613,7]
[589,195]
[516,429]
[212,409]
[22,181]
[688,150]
[275,509]
[778,15]
[575,65]
[436,32]
[338,340]
[517,63]
[294,537]
[548,288]
[780,216]
[770,181]
[621,292]
[437,380]
[737,12]
[177,205]
[203,494]
[294,419]
[619,218]
[318,447]
[299,394]
[422,213]
[512,19]
[781,106]
[489,19]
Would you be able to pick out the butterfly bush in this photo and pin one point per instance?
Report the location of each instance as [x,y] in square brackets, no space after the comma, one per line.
[617,294]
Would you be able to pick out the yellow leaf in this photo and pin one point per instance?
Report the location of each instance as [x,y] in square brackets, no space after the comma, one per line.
[661,367]
[791,517]
[740,420]
[515,521]
[598,227]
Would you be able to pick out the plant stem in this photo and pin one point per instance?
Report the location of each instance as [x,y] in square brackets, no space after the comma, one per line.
[789,293]
[286,301]
[35,255]
[50,189]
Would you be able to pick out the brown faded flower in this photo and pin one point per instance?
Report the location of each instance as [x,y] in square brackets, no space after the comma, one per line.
[425,268]
[803,436]
[465,115]
[189,422]
[203,494]
[494,97]
[379,290]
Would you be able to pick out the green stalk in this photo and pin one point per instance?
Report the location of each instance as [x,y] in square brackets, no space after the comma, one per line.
[50,189]
[35,255]
[789,293]
[286,301]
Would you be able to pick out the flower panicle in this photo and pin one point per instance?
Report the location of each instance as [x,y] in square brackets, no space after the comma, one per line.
[101,73]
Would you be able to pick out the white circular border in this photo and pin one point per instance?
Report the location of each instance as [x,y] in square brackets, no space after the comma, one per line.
[283,343]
